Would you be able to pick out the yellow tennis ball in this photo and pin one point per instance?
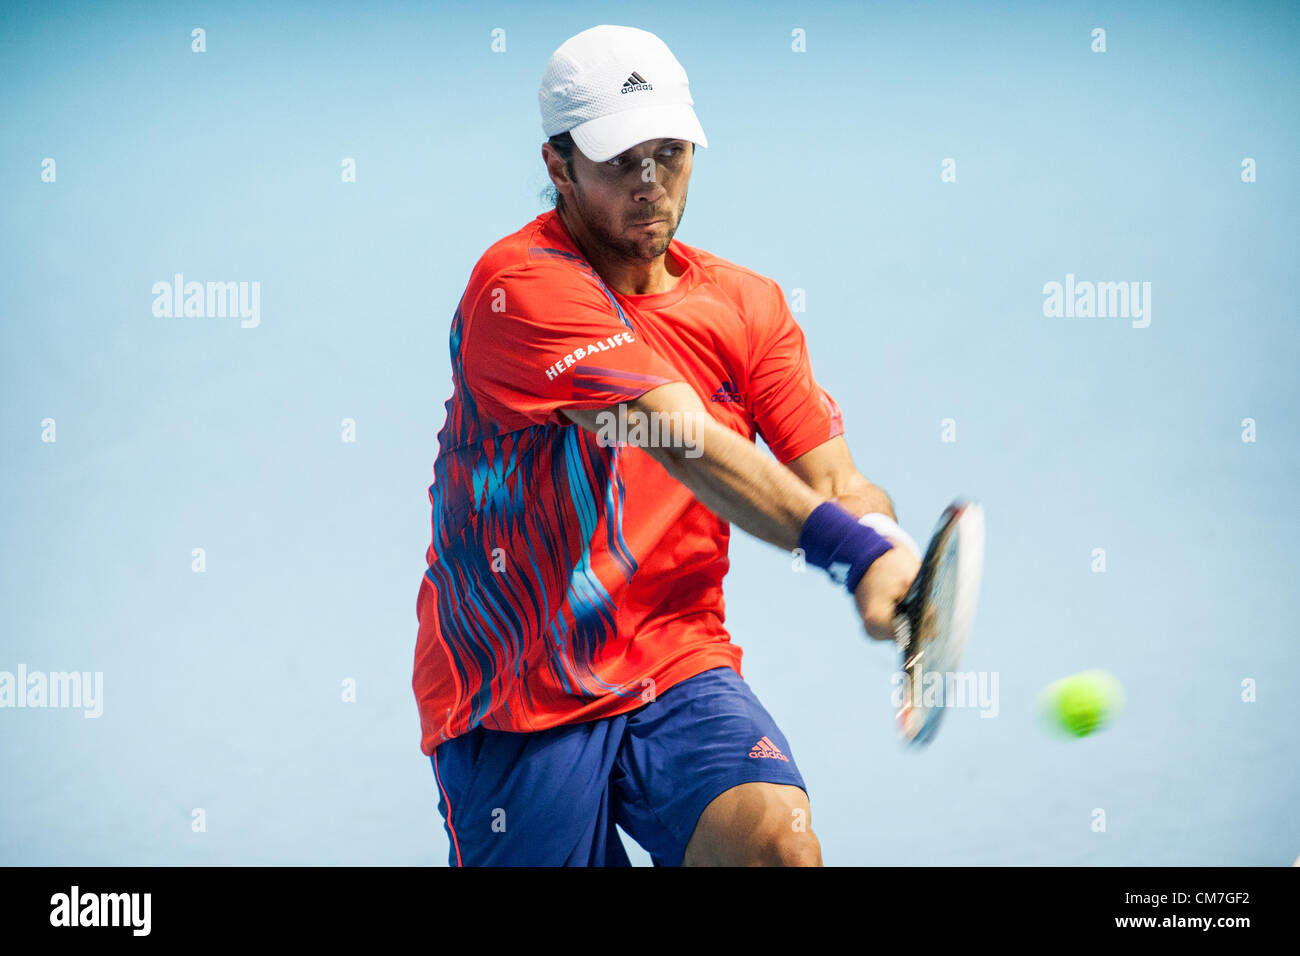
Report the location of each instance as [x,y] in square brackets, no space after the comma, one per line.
[1082,703]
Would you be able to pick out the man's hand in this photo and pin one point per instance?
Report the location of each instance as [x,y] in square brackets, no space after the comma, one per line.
[886,581]
[882,587]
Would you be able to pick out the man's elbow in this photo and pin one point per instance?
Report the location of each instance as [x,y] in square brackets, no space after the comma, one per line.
[676,439]
[670,423]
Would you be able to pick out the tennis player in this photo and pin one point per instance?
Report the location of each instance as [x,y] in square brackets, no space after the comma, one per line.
[573,669]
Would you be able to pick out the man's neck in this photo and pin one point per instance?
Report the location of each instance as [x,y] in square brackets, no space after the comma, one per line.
[625,276]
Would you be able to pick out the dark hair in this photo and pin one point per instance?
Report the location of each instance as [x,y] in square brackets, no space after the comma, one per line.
[563,144]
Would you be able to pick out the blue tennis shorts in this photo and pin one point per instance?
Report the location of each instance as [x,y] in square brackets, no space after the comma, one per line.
[553,797]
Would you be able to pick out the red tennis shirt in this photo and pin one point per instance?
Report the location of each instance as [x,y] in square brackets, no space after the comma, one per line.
[569,577]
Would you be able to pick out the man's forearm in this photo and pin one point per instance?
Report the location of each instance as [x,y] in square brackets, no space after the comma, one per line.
[732,478]
[722,468]
[740,484]
[729,475]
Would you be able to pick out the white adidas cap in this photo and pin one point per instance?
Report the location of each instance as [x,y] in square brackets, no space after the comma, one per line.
[614,87]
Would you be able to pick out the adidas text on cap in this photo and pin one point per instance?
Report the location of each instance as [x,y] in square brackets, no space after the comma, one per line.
[614,87]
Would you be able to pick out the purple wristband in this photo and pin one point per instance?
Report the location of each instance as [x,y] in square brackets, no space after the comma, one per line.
[833,540]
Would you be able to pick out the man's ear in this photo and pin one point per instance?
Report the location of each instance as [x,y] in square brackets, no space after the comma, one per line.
[556,168]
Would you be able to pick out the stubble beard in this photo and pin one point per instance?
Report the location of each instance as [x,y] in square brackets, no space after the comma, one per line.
[638,250]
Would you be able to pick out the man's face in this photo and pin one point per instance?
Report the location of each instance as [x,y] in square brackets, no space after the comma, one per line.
[633,203]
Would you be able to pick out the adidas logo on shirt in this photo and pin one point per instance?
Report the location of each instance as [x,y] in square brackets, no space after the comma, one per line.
[635,82]
[765,748]
[726,393]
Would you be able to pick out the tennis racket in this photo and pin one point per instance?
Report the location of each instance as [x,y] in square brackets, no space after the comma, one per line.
[934,620]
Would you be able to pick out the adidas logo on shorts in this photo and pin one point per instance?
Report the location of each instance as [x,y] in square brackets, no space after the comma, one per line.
[765,748]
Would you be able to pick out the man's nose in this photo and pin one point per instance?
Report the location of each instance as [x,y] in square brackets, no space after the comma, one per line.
[648,186]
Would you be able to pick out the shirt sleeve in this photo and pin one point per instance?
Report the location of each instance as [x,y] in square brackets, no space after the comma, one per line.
[547,336]
[791,411]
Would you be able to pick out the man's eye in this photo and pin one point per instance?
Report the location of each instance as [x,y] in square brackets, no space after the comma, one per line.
[617,161]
